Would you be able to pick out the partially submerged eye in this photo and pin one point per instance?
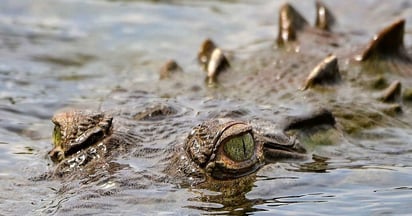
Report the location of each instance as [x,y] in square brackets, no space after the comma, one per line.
[240,148]
[57,135]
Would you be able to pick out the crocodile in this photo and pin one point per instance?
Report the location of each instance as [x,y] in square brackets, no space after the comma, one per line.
[246,113]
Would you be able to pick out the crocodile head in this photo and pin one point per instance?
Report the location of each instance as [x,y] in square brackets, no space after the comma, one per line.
[76,130]
[220,149]
[229,149]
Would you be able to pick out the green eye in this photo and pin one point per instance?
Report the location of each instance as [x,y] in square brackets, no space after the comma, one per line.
[57,136]
[240,148]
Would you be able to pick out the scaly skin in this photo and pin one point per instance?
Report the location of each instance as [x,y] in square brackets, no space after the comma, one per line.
[222,147]
[80,137]
[219,148]
[362,89]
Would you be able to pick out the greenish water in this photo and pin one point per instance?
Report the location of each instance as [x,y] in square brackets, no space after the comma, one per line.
[56,54]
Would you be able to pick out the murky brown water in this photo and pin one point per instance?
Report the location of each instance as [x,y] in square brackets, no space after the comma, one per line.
[55,54]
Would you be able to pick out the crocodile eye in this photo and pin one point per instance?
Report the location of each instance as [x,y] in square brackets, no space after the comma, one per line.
[240,148]
[57,135]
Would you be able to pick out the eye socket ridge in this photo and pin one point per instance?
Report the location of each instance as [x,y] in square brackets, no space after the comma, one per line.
[240,147]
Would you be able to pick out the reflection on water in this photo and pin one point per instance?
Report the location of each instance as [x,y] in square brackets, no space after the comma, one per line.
[56,54]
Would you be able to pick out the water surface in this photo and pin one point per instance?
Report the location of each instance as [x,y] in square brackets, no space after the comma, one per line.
[57,54]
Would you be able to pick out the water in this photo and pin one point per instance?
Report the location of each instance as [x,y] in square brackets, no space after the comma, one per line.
[57,54]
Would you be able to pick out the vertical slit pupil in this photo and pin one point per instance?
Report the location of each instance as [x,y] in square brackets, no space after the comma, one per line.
[240,148]
[244,147]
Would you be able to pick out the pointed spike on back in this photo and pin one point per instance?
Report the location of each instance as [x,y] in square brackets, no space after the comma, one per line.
[290,22]
[326,72]
[389,41]
[169,68]
[324,18]
[205,52]
[393,109]
[218,63]
[212,59]
[393,93]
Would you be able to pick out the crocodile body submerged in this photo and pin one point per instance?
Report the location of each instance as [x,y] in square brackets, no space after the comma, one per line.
[310,88]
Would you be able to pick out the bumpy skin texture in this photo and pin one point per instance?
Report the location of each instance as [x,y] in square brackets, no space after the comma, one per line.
[224,148]
[83,138]
[77,130]
[216,149]
[228,148]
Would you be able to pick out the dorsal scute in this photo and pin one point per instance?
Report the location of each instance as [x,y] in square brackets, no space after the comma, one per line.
[168,69]
[388,42]
[212,60]
[290,22]
[393,93]
[326,72]
[324,17]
